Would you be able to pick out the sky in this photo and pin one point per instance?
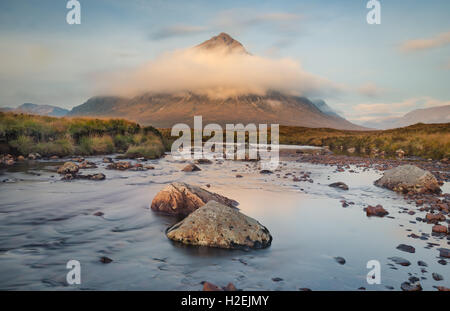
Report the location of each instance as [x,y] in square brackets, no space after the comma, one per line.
[377,71]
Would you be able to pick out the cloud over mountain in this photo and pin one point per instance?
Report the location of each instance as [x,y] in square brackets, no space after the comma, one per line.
[215,69]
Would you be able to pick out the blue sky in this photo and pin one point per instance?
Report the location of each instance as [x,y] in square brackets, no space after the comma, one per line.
[383,70]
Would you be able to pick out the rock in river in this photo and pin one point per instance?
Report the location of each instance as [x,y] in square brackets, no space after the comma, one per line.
[68,168]
[218,225]
[182,199]
[191,168]
[406,248]
[409,178]
[408,287]
[378,211]
[439,229]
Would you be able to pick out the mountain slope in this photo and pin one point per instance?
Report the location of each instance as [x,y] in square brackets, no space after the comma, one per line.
[166,110]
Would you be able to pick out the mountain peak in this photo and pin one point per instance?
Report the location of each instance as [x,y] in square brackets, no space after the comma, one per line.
[223,41]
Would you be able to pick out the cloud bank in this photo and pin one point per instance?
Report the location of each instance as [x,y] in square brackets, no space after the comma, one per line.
[217,74]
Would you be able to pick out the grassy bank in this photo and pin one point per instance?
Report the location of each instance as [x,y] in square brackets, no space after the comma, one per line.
[420,140]
[22,134]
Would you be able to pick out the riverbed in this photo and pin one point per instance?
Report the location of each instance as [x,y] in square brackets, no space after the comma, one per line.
[45,222]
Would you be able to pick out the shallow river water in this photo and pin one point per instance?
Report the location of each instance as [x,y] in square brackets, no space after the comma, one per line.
[45,222]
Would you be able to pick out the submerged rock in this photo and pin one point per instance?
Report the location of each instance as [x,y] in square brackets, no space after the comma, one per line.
[409,178]
[182,199]
[400,261]
[218,225]
[339,185]
[68,168]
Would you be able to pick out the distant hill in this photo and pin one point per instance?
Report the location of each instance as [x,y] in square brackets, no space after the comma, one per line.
[166,110]
[439,114]
[43,110]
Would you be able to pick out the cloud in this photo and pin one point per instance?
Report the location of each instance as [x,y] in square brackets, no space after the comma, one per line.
[177,31]
[217,74]
[439,40]
[370,90]
[380,111]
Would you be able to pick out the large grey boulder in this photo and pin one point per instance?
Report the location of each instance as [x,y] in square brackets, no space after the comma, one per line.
[217,225]
[182,199]
[408,178]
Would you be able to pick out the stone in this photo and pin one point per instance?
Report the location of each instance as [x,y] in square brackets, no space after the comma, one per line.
[68,168]
[340,260]
[422,263]
[121,166]
[377,211]
[265,172]
[406,248]
[408,287]
[434,218]
[444,252]
[191,168]
[400,261]
[218,225]
[437,276]
[182,199]
[409,178]
[203,161]
[339,185]
[439,229]
[105,260]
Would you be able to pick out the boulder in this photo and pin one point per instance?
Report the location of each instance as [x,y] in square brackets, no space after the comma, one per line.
[191,168]
[218,225]
[68,168]
[409,178]
[182,199]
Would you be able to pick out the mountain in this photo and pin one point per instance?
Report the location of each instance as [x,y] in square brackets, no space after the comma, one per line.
[44,110]
[440,114]
[322,106]
[167,109]
[223,42]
